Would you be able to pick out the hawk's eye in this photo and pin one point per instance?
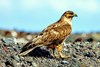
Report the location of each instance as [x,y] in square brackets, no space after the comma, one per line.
[69,17]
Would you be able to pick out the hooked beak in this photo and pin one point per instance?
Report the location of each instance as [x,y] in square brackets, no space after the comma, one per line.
[75,15]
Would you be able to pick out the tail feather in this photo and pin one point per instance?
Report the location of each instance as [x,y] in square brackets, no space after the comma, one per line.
[29,50]
[31,45]
[26,47]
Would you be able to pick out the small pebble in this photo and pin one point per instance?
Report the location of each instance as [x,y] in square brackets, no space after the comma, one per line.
[64,62]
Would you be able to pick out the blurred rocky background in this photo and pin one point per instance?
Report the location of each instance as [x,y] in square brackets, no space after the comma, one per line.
[83,49]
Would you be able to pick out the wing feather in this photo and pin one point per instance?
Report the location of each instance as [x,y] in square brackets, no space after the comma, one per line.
[58,33]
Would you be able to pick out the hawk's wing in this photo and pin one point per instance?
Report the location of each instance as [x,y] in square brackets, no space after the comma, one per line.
[55,33]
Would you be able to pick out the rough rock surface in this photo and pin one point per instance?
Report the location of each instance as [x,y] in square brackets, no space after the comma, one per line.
[82,54]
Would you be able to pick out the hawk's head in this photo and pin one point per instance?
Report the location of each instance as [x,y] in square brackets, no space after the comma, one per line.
[69,14]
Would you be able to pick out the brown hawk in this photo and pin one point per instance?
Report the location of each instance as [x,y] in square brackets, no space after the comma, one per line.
[53,36]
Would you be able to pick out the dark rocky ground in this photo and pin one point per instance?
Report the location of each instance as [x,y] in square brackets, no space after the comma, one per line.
[82,54]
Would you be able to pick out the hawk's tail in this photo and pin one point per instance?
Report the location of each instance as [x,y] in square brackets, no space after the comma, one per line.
[27,46]
[31,45]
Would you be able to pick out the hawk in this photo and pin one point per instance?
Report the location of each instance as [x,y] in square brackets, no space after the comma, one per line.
[53,36]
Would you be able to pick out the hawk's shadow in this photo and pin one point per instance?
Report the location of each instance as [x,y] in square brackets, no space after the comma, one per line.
[38,52]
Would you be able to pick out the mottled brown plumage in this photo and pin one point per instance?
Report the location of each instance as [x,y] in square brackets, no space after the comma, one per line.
[53,36]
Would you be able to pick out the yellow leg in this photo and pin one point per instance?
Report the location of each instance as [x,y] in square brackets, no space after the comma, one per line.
[59,49]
